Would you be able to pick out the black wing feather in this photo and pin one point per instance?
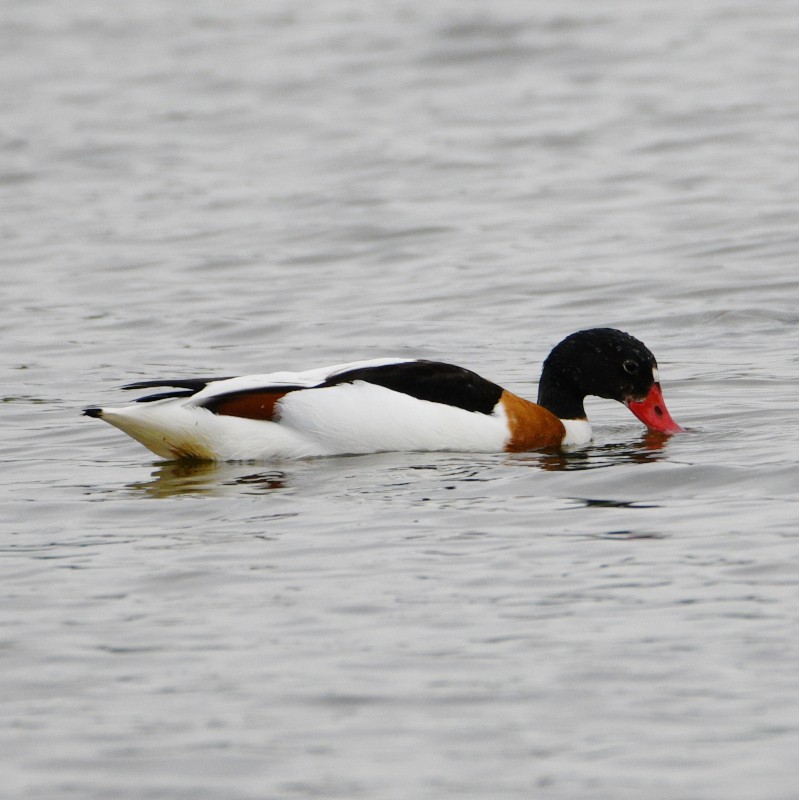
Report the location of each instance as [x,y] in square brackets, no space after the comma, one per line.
[195,384]
[428,380]
[184,387]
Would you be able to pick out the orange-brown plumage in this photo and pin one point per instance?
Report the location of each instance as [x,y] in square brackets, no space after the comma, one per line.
[532,427]
[250,405]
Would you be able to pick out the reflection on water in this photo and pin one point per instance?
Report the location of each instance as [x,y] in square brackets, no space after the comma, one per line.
[618,534]
[626,535]
[650,447]
[174,478]
[588,502]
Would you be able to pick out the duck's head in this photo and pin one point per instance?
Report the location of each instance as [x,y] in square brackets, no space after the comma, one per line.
[604,362]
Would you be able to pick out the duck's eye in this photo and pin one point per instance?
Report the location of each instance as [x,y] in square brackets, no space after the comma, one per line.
[630,366]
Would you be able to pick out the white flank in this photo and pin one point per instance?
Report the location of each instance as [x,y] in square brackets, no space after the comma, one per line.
[361,417]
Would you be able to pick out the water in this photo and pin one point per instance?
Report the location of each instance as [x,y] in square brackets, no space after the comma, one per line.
[191,189]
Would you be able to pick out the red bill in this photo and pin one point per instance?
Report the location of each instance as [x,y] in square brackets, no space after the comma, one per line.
[653,413]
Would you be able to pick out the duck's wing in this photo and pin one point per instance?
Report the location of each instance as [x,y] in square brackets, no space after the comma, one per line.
[433,381]
[254,396]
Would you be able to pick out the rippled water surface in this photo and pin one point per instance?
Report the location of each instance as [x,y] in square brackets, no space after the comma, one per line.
[207,188]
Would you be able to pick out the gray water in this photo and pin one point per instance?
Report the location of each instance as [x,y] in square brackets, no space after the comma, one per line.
[201,188]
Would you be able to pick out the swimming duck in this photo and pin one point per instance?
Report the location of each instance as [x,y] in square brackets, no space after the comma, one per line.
[392,404]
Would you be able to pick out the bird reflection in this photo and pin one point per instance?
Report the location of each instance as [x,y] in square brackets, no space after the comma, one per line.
[646,449]
[174,478]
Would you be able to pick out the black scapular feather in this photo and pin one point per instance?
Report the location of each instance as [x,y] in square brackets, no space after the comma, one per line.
[429,380]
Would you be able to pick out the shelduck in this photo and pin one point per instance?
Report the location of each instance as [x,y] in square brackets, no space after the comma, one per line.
[392,404]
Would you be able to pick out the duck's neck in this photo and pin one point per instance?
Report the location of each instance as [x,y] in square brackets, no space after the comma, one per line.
[560,397]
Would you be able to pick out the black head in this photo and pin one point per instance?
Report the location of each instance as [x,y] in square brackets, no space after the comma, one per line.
[603,362]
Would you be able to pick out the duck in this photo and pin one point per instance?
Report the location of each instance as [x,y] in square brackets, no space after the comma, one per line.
[392,404]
